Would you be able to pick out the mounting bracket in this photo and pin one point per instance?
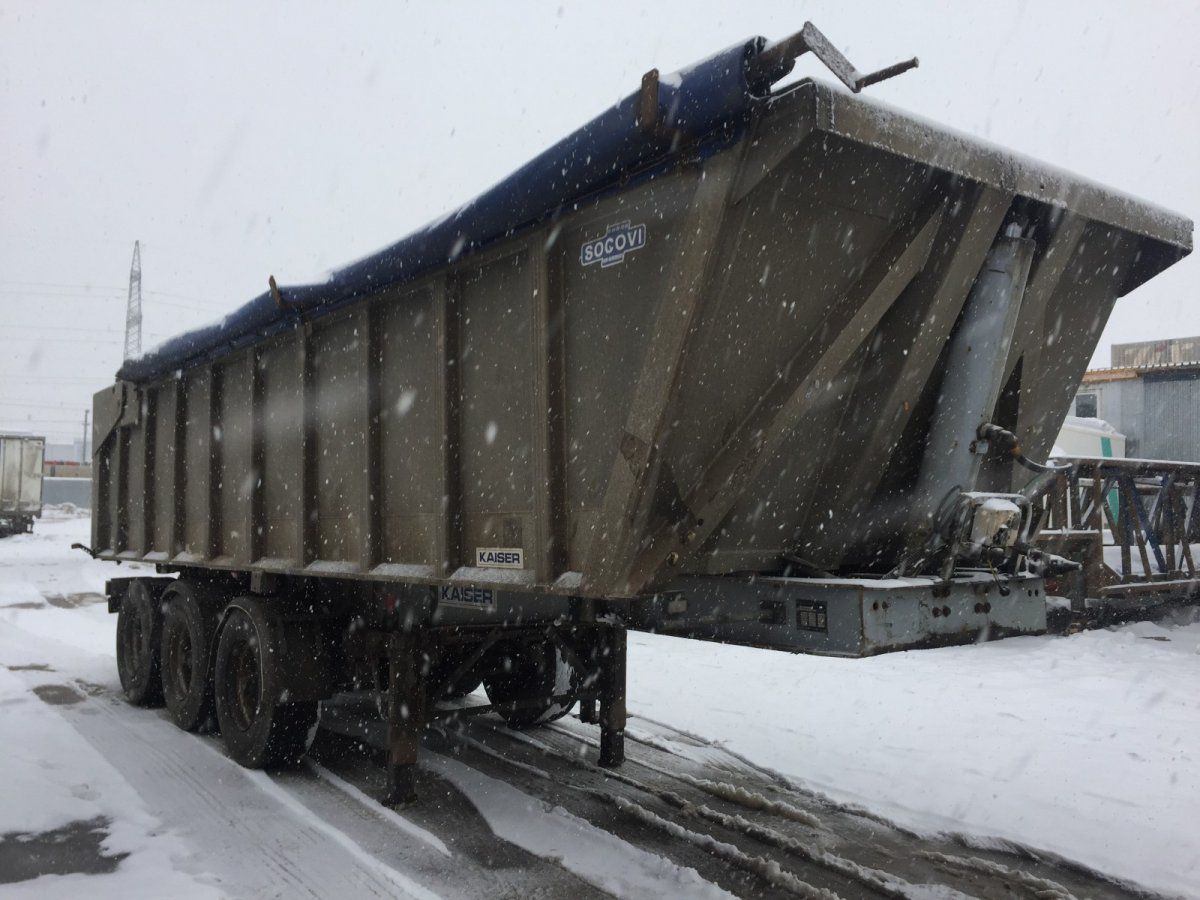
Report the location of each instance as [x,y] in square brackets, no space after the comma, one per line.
[777,59]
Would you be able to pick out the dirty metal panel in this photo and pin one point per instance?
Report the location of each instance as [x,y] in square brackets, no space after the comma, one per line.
[411,444]
[199,514]
[163,487]
[607,315]
[136,487]
[793,250]
[281,422]
[1075,316]
[872,123]
[236,475]
[339,454]
[970,611]
[851,617]
[496,430]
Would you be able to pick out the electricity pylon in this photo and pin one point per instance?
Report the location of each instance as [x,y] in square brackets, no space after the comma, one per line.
[133,312]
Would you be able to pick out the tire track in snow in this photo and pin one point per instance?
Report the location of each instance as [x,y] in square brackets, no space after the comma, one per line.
[599,857]
[378,809]
[768,870]
[171,777]
[887,885]
[987,878]
[406,885]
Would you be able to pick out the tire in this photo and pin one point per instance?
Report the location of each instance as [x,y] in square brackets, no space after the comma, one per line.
[189,631]
[259,731]
[527,673]
[139,636]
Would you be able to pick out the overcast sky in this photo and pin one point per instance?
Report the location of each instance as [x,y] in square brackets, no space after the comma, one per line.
[236,143]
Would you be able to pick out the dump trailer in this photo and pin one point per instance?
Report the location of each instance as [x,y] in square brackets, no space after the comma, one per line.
[723,345]
[20,482]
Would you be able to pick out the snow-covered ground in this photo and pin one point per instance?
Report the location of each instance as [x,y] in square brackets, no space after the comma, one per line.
[1084,746]
[52,777]
[1087,746]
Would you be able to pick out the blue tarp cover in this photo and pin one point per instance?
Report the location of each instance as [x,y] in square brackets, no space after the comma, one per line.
[708,98]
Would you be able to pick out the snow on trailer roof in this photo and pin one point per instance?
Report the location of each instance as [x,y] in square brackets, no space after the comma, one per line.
[711,103]
[913,137]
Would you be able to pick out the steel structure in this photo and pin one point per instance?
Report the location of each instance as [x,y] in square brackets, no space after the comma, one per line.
[1147,509]
[133,307]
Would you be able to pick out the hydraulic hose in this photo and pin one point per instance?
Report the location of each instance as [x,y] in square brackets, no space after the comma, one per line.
[1007,442]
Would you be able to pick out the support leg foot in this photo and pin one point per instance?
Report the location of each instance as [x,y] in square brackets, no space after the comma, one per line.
[612,696]
[406,716]
[612,748]
[587,712]
[401,789]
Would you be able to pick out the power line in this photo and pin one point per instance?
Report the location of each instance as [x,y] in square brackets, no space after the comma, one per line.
[117,289]
[91,343]
[60,379]
[113,298]
[58,295]
[55,327]
[61,407]
[58,284]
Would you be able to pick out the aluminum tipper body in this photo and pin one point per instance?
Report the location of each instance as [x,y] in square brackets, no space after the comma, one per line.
[719,333]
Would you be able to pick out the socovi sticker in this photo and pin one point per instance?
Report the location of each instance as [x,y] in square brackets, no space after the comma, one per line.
[611,248]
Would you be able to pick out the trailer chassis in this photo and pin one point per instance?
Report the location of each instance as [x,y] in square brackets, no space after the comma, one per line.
[596,651]
[316,638]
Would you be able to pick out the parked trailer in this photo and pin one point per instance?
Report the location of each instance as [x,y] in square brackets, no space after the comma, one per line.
[20,482]
[698,342]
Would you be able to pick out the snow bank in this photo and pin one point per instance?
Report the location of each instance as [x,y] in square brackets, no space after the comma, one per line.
[1084,746]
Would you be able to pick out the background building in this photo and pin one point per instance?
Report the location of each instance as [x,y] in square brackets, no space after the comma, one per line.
[1151,394]
[71,451]
[1156,353]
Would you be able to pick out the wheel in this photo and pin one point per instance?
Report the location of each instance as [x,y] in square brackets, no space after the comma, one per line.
[259,731]
[521,681]
[188,634]
[139,635]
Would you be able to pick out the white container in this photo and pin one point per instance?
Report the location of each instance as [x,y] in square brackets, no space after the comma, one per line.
[1088,437]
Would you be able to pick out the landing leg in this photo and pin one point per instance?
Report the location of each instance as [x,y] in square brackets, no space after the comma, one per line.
[612,696]
[406,715]
[583,611]
[587,712]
